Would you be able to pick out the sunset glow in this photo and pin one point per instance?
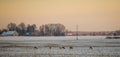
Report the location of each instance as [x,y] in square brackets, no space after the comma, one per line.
[90,15]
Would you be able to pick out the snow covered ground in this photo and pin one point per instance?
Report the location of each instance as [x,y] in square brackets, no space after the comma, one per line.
[50,37]
[66,46]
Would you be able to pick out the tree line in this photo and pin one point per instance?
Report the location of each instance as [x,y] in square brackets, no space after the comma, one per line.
[30,30]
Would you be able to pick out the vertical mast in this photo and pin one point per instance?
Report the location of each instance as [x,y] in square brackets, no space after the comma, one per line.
[76,32]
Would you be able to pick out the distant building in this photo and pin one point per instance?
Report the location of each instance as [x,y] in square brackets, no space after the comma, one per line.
[69,33]
[10,33]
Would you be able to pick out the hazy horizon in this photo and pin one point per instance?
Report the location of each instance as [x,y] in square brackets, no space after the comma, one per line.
[90,15]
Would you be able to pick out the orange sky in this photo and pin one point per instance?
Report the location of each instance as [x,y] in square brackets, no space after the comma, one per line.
[90,15]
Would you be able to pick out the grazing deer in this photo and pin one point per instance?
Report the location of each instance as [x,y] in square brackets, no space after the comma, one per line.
[50,47]
[90,47]
[36,47]
[71,47]
[62,47]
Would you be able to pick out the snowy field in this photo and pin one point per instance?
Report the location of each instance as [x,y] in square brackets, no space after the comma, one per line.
[61,46]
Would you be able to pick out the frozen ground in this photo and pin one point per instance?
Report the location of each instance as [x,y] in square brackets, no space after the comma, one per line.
[59,46]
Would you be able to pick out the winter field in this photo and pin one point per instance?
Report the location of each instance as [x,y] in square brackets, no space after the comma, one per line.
[63,46]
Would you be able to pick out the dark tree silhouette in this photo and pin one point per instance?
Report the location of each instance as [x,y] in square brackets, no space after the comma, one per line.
[4,30]
[21,29]
[117,32]
[11,26]
[31,28]
[52,30]
[0,31]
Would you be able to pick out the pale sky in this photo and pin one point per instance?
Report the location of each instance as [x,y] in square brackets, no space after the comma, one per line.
[90,15]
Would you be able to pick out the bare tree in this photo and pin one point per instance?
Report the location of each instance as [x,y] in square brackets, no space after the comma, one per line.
[0,31]
[21,29]
[11,26]
[31,28]
[117,32]
[52,30]
[22,26]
